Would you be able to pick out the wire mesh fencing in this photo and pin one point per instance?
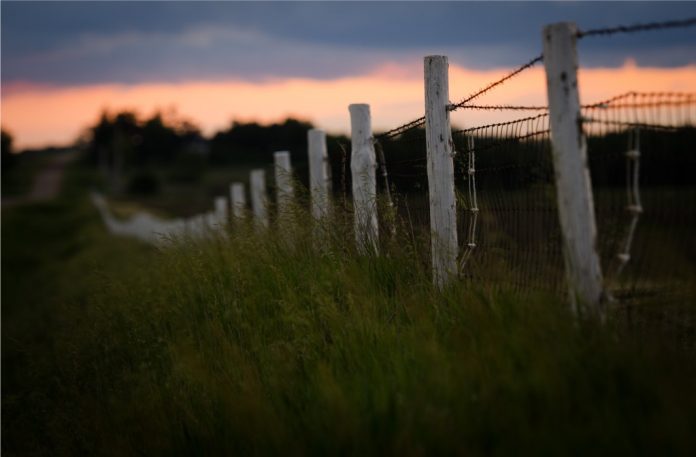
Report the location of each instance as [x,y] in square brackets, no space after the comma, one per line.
[641,161]
[507,214]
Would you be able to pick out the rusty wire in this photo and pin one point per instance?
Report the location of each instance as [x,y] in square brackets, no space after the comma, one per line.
[690,22]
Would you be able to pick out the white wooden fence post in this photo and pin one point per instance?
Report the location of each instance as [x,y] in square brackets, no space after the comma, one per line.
[238,199]
[319,178]
[573,185]
[221,211]
[211,221]
[363,166]
[258,197]
[284,184]
[438,137]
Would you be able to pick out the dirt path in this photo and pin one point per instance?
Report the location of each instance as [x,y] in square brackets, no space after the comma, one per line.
[47,182]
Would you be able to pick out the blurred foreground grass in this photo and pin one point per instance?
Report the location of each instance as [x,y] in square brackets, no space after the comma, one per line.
[255,346]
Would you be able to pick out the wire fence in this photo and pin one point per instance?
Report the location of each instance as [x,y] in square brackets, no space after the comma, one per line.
[641,159]
[507,209]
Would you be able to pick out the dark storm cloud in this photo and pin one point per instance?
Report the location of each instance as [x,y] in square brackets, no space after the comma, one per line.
[132,42]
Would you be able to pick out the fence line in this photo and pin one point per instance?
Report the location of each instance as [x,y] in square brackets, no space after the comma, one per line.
[527,204]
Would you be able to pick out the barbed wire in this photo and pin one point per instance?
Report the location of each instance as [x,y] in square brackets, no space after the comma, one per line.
[401,129]
[670,128]
[512,74]
[591,32]
[682,98]
[498,124]
[453,107]
[686,97]
[505,107]
[690,22]
[507,140]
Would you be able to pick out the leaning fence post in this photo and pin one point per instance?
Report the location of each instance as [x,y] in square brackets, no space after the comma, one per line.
[573,186]
[362,166]
[238,199]
[319,179]
[438,137]
[259,204]
[284,185]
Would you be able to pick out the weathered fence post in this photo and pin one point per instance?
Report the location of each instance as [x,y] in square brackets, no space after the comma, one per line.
[438,137]
[362,166]
[221,211]
[319,178]
[573,186]
[238,199]
[259,204]
[284,185]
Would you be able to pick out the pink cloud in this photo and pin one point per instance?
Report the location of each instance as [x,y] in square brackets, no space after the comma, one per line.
[41,115]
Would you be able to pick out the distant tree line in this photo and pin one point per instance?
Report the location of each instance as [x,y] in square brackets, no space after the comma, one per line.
[124,141]
[8,157]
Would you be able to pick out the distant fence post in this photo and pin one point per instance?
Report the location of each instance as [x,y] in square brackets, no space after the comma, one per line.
[362,166]
[284,185]
[221,211]
[258,197]
[319,179]
[238,199]
[438,137]
[573,186]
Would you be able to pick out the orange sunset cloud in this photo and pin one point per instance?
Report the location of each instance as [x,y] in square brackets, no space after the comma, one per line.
[38,116]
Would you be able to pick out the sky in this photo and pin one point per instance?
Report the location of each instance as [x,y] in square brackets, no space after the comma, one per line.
[63,63]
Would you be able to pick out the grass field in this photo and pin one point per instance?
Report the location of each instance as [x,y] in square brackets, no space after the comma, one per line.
[252,345]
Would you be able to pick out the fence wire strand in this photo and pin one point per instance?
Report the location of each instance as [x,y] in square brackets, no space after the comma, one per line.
[496,83]
[676,24]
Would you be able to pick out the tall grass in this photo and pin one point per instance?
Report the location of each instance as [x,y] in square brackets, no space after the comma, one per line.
[269,343]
